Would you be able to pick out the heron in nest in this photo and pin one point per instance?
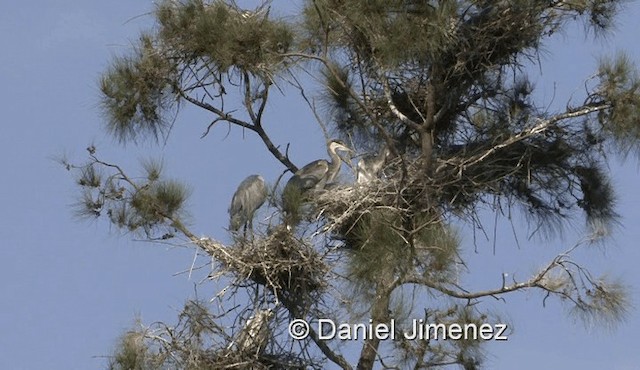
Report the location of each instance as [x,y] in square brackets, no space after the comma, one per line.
[250,195]
[369,167]
[314,176]
[254,335]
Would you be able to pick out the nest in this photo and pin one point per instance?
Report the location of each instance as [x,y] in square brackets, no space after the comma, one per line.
[286,265]
[341,207]
[348,211]
[525,168]
[242,360]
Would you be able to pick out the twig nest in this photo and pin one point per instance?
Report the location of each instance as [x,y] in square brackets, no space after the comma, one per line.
[288,265]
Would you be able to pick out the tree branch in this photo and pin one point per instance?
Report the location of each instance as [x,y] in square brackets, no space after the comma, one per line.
[379,315]
[394,109]
[335,358]
[222,115]
[274,150]
[257,128]
[541,127]
[535,282]
[372,118]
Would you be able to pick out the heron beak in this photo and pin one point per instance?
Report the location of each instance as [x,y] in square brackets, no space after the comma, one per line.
[349,155]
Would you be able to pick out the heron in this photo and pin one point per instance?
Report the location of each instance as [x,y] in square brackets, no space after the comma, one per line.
[314,176]
[255,333]
[250,195]
[370,166]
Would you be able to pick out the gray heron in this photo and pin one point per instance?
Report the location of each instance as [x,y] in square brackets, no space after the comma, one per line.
[314,176]
[369,167]
[250,195]
[254,334]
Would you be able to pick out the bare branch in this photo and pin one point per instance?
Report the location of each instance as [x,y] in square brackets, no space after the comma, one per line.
[536,281]
[539,128]
[225,116]
[332,356]
[403,118]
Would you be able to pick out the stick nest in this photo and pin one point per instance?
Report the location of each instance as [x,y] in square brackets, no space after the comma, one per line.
[287,265]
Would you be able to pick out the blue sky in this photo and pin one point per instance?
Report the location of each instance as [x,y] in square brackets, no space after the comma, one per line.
[70,288]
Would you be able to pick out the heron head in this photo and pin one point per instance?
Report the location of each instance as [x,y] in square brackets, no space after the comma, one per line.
[335,145]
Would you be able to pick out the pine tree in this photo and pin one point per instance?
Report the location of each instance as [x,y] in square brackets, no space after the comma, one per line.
[440,91]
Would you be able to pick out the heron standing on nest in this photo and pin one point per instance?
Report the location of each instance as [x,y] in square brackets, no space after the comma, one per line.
[250,195]
[314,176]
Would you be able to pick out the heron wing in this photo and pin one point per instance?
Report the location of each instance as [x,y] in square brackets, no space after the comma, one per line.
[256,193]
[311,174]
[250,195]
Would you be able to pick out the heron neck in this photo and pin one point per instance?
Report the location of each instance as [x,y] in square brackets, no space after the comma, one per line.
[334,166]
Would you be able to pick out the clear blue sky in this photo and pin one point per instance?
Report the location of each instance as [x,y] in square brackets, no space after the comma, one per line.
[68,289]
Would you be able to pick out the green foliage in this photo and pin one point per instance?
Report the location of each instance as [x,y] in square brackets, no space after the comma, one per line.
[620,86]
[607,302]
[439,245]
[466,351]
[469,353]
[378,246]
[88,205]
[394,33]
[391,31]
[292,201]
[600,13]
[294,205]
[90,177]
[131,205]
[153,170]
[195,41]
[598,197]
[223,35]
[338,92]
[137,91]
[151,205]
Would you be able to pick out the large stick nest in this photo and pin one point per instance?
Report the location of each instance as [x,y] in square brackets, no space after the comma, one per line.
[242,360]
[287,265]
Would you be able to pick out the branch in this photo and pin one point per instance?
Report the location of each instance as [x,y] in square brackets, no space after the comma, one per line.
[385,285]
[335,358]
[248,103]
[222,115]
[263,104]
[322,345]
[274,150]
[257,128]
[257,122]
[402,117]
[296,83]
[211,247]
[374,121]
[534,282]
[541,127]
[120,171]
